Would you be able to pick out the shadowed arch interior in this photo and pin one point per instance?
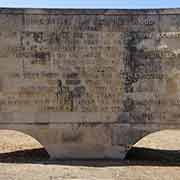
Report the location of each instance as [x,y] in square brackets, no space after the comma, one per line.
[17,146]
[161,145]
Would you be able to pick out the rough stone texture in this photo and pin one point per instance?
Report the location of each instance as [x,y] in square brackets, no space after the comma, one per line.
[89,83]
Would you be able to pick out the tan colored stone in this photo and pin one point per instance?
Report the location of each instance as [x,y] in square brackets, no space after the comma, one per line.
[89,83]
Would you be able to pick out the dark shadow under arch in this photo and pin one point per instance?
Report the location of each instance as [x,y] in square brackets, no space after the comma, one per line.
[154,155]
[160,155]
[23,155]
[150,158]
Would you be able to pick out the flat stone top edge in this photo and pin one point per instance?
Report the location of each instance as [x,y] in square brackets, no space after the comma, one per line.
[46,11]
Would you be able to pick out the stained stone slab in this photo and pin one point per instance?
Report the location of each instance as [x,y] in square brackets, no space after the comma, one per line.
[89,83]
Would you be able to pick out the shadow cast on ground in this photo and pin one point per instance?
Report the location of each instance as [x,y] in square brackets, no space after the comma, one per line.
[136,156]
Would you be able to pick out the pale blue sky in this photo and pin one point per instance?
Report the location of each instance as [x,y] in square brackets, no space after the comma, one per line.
[91,3]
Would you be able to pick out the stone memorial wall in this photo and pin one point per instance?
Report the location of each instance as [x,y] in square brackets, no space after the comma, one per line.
[89,83]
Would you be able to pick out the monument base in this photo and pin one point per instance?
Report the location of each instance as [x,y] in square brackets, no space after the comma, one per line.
[84,141]
[61,151]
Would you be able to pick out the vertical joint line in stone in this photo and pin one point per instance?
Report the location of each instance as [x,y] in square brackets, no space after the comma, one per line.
[23,27]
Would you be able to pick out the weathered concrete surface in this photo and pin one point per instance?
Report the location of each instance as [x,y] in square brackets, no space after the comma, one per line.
[89,83]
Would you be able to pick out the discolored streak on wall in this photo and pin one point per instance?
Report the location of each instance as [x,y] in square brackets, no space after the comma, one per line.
[89,83]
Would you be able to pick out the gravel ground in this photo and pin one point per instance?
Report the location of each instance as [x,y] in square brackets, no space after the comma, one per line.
[23,158]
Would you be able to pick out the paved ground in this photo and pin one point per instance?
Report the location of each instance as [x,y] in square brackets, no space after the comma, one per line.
[22,158]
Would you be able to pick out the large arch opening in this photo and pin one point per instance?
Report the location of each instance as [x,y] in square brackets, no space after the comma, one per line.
[158,146]
[16,146]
